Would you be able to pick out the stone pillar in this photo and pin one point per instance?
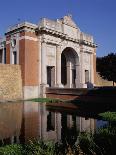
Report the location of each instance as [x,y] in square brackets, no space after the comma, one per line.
[91,69]
[58,67]
[43,70]
[69,75]
[82,73]
[78,72]
[43,64]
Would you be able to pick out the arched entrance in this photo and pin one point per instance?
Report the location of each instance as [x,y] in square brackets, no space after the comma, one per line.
[69,68]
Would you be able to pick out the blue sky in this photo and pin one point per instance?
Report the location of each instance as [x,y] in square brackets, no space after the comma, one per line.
[96,17]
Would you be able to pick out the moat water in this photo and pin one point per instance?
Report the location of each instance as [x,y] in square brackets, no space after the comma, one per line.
[21,122]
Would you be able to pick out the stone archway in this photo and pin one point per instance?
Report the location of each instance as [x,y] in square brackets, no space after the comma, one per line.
[70,68]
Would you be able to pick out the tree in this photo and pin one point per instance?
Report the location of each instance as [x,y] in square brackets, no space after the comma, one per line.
[106,66]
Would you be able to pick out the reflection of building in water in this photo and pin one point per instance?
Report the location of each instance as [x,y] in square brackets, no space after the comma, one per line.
[10,122]
[80,123]
[88,124]
[39,123]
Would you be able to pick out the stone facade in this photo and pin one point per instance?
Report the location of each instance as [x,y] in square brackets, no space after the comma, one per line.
[51,54]
[10,82]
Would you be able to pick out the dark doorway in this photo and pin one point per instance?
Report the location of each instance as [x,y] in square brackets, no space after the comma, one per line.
[1,54]
[86,76]
[63,70]
[73,76]
[51,76]
[5,55]
[15,57]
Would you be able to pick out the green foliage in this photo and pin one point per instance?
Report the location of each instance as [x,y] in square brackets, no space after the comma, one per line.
[86,143]
[11,150]
[108,116]
[106,66]
[40,148]
[105,138]
[101,142]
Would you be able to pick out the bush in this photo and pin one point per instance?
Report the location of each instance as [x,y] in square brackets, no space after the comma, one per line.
[102,142]
[15,149]
[40,148]
[108,116]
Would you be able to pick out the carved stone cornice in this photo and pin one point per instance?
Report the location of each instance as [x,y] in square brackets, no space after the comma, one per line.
[52,32]
[57,34]
[87,43]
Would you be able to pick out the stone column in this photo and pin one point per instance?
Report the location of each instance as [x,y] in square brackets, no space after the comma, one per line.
[82,73]
[69,75]
[43,64]
[78,72]
[91,69]
[58,67]
[43,70]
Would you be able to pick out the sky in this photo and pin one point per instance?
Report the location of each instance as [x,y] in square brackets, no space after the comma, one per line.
[95,17]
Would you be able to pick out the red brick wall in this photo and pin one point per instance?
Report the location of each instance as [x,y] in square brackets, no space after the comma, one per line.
[22,58]
[31,63]
[28,59]
[8,50]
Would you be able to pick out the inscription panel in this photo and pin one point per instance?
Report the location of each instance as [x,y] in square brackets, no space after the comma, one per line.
[51,55]
[70,31]
[86,58]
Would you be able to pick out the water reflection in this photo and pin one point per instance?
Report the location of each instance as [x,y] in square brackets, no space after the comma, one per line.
[30,120]
[10,122]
